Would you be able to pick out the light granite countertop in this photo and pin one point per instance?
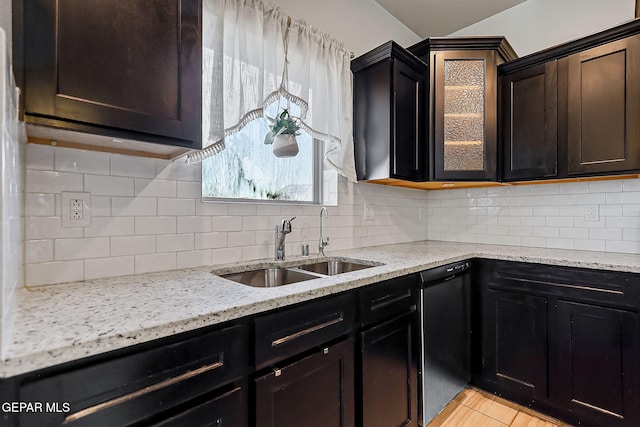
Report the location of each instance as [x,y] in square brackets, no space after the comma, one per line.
[61,323]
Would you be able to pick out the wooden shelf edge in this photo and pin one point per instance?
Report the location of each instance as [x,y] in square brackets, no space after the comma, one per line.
[452,185]
[114,150]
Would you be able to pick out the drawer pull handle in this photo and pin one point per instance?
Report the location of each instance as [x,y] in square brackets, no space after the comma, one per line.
[312,329]
[135,394]
[389,299]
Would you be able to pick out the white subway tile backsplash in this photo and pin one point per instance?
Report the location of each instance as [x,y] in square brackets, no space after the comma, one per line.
[609,186]
[188,190]
[155,188]
[155,262]
[605,234]
[137,167]
[151,214]
[256,223]
[71,249]
[560,243]
[623,246]
[211,208]
[210,240]
[166,169]
[628,197]
[82,161]
[110,226]
[241,238]
[54,272]
[177,207]
[226,223]
[190,259]
[134,206]
[246,209]
[155,225]
[39,251]
[224,255]
[98,268]
[100,206]
[631,185]
[39,204]
[49,228]
[108,185]
[40,157]
[175,242]
[52,182]
[133,245]
[194,224]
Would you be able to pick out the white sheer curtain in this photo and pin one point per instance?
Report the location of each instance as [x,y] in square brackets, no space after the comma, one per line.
[243,62]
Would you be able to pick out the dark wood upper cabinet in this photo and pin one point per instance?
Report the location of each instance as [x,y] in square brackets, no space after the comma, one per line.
[529,122]
[389,87]
[603,99]
[574,109]
[463,104]
[115,68]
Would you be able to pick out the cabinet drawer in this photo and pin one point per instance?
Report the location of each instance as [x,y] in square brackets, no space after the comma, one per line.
[132,388]
[597,286]
[388,299]
[293,330]
[226,410]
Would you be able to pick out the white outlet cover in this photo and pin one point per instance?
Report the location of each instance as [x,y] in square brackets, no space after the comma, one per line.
[592,213]
[82,212]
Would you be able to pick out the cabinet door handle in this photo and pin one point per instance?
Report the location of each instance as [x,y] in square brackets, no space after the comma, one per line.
[135,394]
[386,300]
[306,331]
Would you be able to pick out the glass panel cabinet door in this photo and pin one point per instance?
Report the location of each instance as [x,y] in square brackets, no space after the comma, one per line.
[465,118]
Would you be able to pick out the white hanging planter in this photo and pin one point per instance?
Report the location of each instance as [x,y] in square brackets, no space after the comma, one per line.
[285,145]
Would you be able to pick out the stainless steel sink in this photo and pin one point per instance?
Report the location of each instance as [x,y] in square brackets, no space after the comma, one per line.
[269,277]
[333,267]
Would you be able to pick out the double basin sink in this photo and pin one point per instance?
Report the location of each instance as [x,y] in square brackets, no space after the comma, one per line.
[277,276]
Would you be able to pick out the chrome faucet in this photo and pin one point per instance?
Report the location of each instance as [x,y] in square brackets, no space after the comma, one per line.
[322,243]
[281,232]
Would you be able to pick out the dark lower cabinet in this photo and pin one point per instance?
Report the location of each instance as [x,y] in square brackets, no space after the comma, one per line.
[315,391]
[389,373]
[598,363]
[172,381]
[226,410]
[515,342]
[562,340]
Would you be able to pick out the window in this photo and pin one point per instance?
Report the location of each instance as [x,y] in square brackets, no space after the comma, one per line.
[248,170]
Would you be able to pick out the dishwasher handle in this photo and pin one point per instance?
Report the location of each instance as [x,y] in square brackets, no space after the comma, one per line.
[443,273]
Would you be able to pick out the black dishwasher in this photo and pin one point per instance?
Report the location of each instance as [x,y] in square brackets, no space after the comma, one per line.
[446,332]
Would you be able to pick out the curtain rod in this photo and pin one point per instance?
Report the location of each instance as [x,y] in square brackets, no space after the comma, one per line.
[351,54]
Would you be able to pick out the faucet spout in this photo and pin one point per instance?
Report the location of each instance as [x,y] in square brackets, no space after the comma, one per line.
[322,243]
[281,232]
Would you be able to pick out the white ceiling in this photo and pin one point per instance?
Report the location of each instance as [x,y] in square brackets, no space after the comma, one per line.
[436,18]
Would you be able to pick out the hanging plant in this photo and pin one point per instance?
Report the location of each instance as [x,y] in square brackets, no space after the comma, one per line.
[283,135]
[284,124]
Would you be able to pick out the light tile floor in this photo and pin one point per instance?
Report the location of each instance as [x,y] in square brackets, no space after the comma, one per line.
[475,408]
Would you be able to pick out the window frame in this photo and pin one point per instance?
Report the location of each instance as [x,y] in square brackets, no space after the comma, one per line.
[318,183]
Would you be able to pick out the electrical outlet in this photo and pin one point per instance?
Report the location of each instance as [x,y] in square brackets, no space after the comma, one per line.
[76,209]
[369,212]
[592,213]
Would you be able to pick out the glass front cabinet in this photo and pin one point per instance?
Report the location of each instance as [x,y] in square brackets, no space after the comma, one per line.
[462,114]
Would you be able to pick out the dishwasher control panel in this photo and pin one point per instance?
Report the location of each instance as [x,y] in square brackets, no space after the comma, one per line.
[444,272]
